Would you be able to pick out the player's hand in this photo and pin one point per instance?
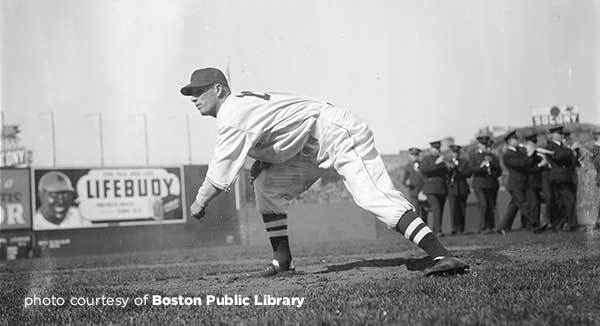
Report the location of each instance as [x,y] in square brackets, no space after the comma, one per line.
[197,210]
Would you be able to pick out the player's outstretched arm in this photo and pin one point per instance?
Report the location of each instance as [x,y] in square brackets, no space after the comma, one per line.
[206,193]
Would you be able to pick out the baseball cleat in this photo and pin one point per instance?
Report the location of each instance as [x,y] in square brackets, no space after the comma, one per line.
[447,266]
[274,269]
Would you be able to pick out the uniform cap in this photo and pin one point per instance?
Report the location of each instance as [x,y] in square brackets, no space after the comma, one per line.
[532,137]
[511,134]
[55,181]
[436,144]
[202,78]
[455,148]
[414,151]
[484,136]
[557,129]
[484,139]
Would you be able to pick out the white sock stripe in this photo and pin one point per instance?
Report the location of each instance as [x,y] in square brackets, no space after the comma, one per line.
[412,226]
[278,233]
[276,223]
[424,231]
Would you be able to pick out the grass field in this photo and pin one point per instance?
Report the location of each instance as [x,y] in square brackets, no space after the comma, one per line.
[517,279]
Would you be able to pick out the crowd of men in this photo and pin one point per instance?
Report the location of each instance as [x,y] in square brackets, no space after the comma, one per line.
[536,174]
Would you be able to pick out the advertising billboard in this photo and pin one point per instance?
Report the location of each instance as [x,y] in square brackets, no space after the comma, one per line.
[15,199]
[101,197]
[551,115]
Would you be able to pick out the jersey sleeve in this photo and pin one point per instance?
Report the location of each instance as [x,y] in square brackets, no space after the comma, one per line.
[231,149]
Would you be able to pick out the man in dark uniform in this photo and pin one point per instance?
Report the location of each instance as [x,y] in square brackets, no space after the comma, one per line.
[458,189]
[595,156]
[562,162]
[571,224]
[435,171]
[486,169]
[546,187]
[413,179]
[534,180]
[517,162]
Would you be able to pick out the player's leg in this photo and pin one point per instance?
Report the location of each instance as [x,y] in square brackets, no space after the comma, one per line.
[275,187]
[351,145]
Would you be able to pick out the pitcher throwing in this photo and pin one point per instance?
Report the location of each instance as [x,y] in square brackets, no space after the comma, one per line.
[294,139]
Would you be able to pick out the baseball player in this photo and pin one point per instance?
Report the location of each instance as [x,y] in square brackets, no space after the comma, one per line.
[299,138]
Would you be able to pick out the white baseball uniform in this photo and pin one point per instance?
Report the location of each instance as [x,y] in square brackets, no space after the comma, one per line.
[302,137]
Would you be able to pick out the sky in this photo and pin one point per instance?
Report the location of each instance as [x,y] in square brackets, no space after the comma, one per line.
[415,71]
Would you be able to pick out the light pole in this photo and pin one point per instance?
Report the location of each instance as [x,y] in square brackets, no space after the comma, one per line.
[101,136]
[53,131]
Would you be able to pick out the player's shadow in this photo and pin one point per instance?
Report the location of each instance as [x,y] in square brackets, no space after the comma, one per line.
[412,264]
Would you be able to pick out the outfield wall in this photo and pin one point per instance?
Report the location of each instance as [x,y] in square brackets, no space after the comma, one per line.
[168,228]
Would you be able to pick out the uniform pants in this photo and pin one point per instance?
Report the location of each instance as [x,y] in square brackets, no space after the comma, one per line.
[548,200]
[458,211]
[533,206]
[564,201]
[598,217]
[486,199]
[436,202]
[572,221]
[518,202]
[346,144]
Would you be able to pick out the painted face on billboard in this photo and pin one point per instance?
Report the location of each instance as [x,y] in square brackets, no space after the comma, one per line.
[56,195]
[55,205]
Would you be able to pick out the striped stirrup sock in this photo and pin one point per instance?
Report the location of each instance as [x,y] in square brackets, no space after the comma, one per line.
[414,229]
[276,226]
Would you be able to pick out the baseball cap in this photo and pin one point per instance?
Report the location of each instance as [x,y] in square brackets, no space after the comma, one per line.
[55,181]
[204,77]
